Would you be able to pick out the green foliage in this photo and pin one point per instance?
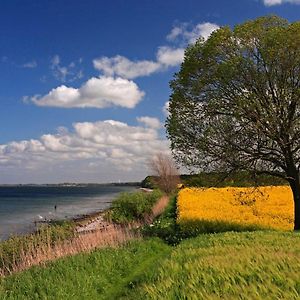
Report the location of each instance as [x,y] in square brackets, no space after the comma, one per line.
[149,182]
[132,206]
[238,179]
[219,179]
[12,249]
[235,101]
[165,226]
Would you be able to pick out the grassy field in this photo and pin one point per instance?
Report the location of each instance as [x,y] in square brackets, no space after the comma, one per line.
[103,274]
[257,265]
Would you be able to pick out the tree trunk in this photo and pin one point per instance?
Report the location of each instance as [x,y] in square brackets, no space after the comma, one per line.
[295,186]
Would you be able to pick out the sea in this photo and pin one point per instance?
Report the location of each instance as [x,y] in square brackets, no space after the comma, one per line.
[21,207]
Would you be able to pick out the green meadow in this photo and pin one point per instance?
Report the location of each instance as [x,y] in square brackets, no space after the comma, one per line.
[256,265]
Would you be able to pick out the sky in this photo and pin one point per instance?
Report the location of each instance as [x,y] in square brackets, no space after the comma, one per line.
[84,85]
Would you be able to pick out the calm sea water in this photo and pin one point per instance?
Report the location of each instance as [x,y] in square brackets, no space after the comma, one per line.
[20,206]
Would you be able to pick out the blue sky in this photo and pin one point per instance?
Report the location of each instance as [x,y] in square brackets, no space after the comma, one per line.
[84,83]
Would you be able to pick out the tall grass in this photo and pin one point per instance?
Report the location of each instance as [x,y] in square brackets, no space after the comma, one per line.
[130,207]
[256,265]
[13,250]
[101,274]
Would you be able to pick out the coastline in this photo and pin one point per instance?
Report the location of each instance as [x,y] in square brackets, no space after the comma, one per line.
[85,222]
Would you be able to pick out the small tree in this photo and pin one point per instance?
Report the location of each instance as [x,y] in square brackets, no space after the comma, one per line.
[235,103]
[165,172]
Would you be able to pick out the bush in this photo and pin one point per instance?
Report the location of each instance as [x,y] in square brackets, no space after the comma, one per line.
[132,206]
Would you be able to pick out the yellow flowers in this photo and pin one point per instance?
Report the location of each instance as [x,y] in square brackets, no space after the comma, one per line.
[269,206]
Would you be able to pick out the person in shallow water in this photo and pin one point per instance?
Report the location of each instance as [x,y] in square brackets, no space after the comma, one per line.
[55,207]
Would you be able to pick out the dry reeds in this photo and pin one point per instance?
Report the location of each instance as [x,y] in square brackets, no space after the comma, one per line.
[85,242]
[157,209]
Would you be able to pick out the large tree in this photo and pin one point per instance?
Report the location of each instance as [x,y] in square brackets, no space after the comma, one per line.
[235,103]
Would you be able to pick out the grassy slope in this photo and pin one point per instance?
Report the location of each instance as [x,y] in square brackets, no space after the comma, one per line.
[257,265]
[103,274]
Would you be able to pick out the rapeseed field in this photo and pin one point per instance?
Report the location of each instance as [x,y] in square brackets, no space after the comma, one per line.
[268,206]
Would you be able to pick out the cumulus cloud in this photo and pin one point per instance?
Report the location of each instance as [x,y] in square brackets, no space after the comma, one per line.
[90,147]
[149,122]
[190,35]
[278,2]
[166,56]
[122,66]
[98,92]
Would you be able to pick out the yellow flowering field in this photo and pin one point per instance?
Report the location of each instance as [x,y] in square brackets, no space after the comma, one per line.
[268,206]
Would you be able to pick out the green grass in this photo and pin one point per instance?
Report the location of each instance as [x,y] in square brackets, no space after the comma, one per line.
[246,265]
[128,207]
[192,228]
[103,274]
[257,265]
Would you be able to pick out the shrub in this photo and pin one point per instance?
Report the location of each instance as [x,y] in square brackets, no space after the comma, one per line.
[132,206]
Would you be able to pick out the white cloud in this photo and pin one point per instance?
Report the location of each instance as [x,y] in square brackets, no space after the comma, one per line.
[99,148]
[167,56]
[150,122]
[190,35]
[166,109]
[125,68]
[67,73]
[122,66]
[98,92]
[31,64]
[278,2]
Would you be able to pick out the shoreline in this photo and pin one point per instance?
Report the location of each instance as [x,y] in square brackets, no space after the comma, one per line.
[83,223]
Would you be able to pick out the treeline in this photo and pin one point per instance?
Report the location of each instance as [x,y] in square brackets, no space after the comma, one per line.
[242,179]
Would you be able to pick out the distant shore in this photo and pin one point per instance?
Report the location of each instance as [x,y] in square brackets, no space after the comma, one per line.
[71,184]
